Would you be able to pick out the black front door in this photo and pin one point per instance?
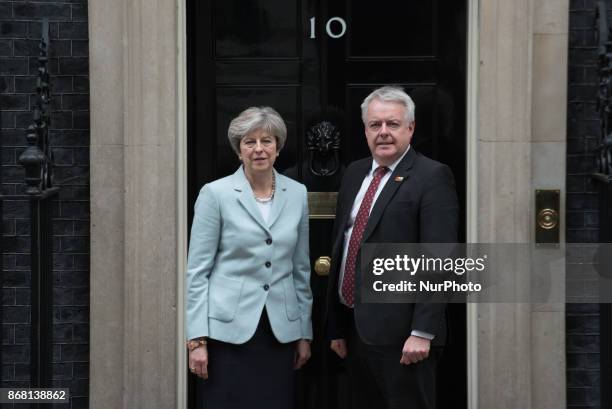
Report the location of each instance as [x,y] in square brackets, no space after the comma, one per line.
[314,61]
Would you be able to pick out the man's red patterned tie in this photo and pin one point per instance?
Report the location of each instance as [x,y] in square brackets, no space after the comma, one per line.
[348,281]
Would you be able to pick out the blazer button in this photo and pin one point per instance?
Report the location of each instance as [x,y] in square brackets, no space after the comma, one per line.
[266,287]
[268,264]
[268,241]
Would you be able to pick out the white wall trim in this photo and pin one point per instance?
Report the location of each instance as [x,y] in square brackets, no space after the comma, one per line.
[471,213]
[181,201]
[133,286]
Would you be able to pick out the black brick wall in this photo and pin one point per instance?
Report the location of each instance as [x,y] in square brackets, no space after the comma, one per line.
[582,320]
[20,32]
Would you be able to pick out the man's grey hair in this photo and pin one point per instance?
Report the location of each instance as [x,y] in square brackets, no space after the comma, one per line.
[253,119]
[389,93]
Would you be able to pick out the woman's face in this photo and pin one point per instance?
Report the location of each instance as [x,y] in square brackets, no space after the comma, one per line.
[258,151]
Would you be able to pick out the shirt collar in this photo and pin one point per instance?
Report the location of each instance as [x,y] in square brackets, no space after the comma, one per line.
[391,166]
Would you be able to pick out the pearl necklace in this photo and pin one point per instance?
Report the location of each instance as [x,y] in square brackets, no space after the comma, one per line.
[269,198]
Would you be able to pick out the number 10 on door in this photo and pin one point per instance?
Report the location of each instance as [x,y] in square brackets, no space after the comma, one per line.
[332,32]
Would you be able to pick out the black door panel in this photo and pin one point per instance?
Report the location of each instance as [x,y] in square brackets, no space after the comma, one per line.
[262,52]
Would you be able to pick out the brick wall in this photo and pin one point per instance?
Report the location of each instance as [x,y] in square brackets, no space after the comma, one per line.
[582,320]
[20,30]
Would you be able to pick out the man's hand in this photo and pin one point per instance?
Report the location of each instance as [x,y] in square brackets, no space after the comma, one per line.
[339,347]
[198,361]
[415,349]
[302,353]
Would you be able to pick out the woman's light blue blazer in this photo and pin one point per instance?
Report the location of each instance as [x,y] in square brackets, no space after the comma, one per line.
[238,264]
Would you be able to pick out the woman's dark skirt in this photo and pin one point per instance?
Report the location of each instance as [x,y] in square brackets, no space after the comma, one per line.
[257,374]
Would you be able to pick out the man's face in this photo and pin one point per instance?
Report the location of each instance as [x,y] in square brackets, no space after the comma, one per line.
[387,131]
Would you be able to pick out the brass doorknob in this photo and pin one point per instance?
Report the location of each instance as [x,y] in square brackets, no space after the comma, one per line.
[548,219]
[322,265]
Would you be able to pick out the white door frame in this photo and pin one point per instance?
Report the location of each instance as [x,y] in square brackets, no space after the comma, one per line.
[471,190]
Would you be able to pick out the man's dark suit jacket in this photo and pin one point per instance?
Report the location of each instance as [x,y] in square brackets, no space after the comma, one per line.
[420,208]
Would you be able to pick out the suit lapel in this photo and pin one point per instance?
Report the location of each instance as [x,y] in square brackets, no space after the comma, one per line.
[280,198]
[400,175]
[246,199]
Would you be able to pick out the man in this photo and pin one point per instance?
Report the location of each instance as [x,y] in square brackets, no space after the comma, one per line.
[395,196]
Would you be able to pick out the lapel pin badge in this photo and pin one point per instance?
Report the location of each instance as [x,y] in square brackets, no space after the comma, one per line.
[399,178]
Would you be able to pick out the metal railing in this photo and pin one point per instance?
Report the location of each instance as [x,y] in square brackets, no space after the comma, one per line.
[37,160]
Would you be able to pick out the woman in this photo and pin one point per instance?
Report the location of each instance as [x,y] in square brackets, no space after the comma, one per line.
[248,294]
